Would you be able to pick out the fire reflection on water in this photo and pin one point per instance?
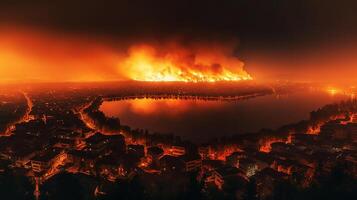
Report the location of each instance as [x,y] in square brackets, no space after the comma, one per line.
[199,119]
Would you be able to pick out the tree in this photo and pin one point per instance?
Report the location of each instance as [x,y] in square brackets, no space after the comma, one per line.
[15,186]
[194,188]
[251,191]
[62,186]
[126,190]
[284,190]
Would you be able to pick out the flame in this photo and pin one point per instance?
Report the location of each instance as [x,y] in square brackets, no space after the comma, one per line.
[32,55]
[285,170]
[147,63]
[265,143]
[333,91]
[315,129]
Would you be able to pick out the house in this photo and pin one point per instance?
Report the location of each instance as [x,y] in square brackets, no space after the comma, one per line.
[332,129]
[154,154]
[48,161]
[284,166]
[170,163]
[266,180]
[204,151]
[224,174]
[303,174]
[97,143]
[210,165]
[177,150]
[84,160]
[233,159]
[111,168]
[68,139]
[280,147]
[137,150]
[192,162]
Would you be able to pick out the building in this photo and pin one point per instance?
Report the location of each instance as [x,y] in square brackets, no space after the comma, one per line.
[284,166]
[266,180]
[177,150]
[137,150]
[280,147]
[204,151]
[210,165]
[233,159]
[154,154]
[82,161]
[170,163]
[67,139]
[192,162]
[111,168]
[102,145]
[97,143]
[48,161]
[352,130]
[223,174]
[333,130]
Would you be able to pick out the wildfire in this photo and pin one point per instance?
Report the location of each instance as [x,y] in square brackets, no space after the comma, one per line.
[314,130]
[265,144]
[333,91]
[147,63]
[30,55]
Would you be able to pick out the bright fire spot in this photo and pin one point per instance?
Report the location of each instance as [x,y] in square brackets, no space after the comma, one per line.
[333,91]
[265,144]
[175,63]
[314,130]
[30,55]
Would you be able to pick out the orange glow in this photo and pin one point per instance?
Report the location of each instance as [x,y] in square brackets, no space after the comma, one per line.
[226,151]
[148,106]
[333,91]
[38,56]
[265,144]
[314,130]
[27,55]
[176,63]
[285,170]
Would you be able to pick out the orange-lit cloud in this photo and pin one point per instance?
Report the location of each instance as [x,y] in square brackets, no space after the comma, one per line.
[27,55]
[334,62]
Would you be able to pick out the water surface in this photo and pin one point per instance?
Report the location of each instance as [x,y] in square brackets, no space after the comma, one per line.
[199,120]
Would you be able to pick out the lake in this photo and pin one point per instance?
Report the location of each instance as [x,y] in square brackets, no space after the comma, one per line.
[200,120]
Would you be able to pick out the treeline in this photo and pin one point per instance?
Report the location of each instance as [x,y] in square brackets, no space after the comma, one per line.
[98,118]
[12,111]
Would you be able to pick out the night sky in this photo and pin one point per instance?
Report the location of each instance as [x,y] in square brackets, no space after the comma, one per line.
[288,30]
[258,20]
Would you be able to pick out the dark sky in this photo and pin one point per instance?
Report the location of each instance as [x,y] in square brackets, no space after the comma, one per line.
[274,35]
[258,21]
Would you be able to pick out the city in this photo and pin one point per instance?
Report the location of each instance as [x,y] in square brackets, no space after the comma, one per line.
[61,132]
[178,100]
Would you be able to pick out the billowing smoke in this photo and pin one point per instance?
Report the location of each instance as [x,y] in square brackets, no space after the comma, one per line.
[28,55]
[190,63]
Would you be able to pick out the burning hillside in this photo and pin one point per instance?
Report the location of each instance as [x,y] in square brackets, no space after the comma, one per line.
[30,55]
[176,63]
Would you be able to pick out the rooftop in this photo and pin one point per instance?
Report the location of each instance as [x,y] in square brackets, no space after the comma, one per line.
[228,171]
[47,155]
